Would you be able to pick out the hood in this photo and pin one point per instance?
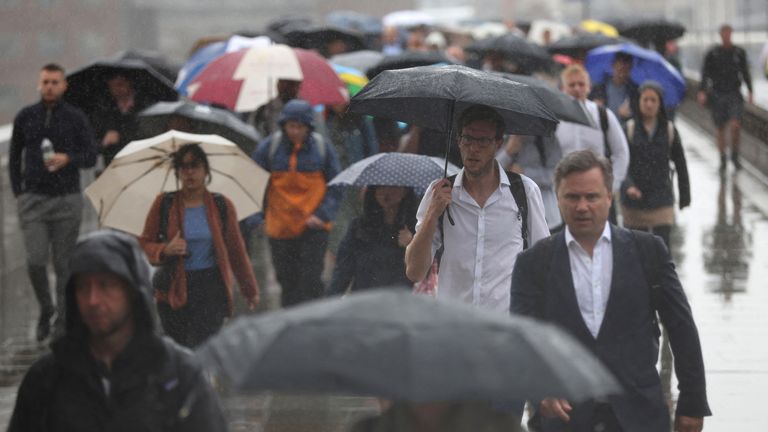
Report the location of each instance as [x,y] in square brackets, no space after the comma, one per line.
[120,254]
[297,110]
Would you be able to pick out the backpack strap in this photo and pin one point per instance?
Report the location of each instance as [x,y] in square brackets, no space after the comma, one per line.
[165,207]
[517,188]
[221,206]
[630,129]
[603,113]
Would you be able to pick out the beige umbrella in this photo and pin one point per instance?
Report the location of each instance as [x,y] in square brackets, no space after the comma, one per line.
[124,192]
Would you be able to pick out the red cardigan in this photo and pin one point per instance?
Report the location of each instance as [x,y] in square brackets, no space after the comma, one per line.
[228,248]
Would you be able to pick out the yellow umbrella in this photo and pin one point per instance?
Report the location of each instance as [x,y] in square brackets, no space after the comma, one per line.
[595,26]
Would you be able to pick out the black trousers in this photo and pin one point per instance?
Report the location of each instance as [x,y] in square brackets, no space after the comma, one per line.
[204,313]
[298,265]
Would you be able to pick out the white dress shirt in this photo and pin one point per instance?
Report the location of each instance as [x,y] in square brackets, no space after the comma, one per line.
[481,249]
[574,136]
[591,277]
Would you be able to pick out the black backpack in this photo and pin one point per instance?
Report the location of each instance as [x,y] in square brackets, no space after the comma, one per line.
[517,188]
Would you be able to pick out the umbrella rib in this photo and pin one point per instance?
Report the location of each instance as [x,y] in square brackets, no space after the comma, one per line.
[236,181]
[132,182]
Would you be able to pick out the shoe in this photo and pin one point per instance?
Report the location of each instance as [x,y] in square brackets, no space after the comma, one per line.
[44,326]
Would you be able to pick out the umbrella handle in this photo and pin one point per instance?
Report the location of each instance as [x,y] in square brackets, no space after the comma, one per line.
[447,152]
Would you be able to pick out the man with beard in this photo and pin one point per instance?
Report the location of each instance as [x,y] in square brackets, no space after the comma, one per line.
[112,370]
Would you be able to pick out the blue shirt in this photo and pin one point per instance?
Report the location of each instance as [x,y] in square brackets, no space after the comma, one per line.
[197,233]
[615,96]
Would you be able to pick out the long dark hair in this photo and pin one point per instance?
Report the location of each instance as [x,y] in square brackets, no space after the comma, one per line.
[372,224]
[662,118]
[198,155]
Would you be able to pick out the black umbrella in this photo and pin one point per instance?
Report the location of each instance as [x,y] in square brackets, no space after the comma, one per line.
[656,31]
[577,45]
[401,346]
[518,50]
[563,106]
[195,118]
[366,24]
[316,37]
[434,96]
[407,59]
[88,85]
[156,59]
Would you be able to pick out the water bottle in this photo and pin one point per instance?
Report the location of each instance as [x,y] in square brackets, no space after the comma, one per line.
[46,147]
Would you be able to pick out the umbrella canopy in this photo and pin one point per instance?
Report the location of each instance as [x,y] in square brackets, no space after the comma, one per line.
[646,65]
[353,78]
[200,58]
[434,96]
[578,44]
[407,59]
[246,79]
[88,85]
[315,37]
[360,60]
[563,106]
[156,59]
[124,192]
[394,169]
[408,19]
[516,49]
[198,119]
[595,26]
[651,30]
[397,345]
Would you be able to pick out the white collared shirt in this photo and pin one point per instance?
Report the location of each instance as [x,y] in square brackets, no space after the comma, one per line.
[574,136]
[591,277]
[481,249]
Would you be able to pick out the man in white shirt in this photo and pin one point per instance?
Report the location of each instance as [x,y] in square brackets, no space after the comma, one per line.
[572,137]
[605,285]
[479,249]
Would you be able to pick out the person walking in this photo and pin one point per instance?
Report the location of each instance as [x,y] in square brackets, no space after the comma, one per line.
[647,197]
[496,214]
[50,143]
[194,236]
[536,157]
[618,92]
[372,252]
[111,370]
[606,138]
[299,208]
[570,280]
[725,68]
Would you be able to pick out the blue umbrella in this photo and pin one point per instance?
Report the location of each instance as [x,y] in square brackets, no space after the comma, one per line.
[647,65]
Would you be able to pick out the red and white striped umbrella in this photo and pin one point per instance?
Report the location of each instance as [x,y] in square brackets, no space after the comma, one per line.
[246,79]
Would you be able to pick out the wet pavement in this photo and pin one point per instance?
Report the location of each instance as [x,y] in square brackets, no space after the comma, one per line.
[716,245]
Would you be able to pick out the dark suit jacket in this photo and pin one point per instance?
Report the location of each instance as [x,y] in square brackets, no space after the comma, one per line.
[628,341]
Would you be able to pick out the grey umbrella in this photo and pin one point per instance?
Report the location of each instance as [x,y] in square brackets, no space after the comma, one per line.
[197,118]
[394,169]
[360,60]
[398,345]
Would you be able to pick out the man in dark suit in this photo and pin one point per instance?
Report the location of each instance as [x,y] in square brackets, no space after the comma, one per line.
[605,285]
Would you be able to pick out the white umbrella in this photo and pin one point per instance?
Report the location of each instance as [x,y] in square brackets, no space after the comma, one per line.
[124,192]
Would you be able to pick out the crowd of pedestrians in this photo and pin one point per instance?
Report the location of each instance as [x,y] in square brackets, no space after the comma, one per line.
[529,225]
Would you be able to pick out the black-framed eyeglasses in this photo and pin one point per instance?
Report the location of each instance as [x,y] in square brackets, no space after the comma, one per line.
[482,142]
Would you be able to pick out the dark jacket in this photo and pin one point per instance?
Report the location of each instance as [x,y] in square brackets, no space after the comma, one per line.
[155,385]
[649,168]
[69,131]
[368,260]
[599,92]
[107,116]
[724,70]
[644,282]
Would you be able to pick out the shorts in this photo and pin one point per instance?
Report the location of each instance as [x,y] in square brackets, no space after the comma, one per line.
[726,106]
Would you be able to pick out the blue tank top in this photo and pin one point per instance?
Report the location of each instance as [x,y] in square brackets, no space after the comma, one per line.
[197,233]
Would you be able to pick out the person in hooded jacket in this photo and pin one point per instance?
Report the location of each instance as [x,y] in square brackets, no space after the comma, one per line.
[299,208]
[112,370]
[647,198]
